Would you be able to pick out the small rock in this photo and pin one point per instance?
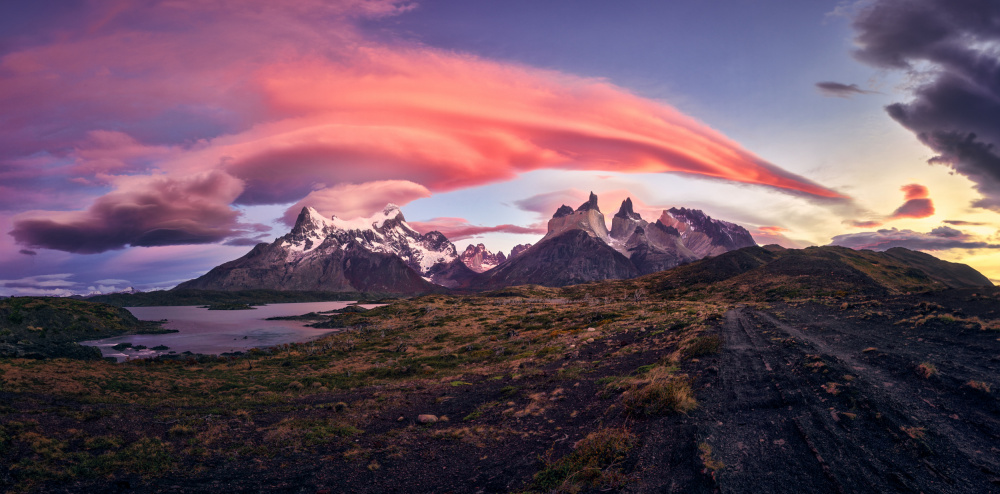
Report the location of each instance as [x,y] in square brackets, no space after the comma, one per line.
[400,419]
[590,340]
[590,330]
[426,418]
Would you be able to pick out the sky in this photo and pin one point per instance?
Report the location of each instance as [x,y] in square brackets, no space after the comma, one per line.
[144,142]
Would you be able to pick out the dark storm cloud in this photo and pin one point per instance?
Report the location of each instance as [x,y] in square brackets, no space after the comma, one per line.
[940,238]
[28,252]
[953,45]
[840,90]
[147,212]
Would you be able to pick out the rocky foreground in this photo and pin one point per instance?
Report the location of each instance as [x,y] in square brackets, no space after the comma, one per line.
[743,373]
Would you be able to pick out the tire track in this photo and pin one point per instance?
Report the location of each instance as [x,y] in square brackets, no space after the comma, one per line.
[770,419]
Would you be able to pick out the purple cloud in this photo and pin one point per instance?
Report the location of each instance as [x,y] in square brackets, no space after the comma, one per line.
[142,212]
[940,238]
[952,46]
[839,90]
[964,223]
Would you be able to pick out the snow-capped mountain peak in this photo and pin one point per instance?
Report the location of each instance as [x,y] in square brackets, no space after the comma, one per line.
[386,232]
[479,259]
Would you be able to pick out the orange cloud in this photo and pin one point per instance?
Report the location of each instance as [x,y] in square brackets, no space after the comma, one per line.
[914,191]
[776,235]
[918,203]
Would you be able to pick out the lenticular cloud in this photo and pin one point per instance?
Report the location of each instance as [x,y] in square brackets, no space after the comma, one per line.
[284,104]
[449,121]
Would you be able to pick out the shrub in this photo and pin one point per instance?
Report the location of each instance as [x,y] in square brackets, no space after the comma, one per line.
[711,464]
[147,456]
[926,370]
[703,345]
[980,386]
[103,442]
[659,392]
[180,430]
[593,462]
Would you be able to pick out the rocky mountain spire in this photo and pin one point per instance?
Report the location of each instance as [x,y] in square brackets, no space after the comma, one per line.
[590,205]
[626,210]
[563,210]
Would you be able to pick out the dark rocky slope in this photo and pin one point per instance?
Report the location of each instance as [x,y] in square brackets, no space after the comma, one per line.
[568,258]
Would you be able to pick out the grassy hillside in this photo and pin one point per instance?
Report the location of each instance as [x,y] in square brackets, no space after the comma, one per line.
[773,273]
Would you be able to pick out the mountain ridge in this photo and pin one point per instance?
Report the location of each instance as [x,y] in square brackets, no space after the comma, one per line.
[382,253]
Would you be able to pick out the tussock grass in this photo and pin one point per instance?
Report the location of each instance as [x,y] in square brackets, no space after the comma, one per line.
[702,345]
[926,370]
[659,391]
[594,462]
[982,387]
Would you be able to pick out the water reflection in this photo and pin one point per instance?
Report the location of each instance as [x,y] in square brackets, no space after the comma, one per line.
[213,332]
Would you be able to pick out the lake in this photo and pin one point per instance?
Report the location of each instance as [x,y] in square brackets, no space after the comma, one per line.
[213,332]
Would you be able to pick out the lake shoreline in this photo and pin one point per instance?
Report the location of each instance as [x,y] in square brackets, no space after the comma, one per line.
[193,331]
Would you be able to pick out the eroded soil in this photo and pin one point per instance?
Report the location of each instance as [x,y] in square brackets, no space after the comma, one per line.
[832,400]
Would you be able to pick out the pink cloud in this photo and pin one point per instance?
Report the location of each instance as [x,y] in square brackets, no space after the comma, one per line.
[915,208]
[349,201]
[915,191]
[450,121]
[918,203]
[766,235]
[609,201]
[287,102]
[104,152]
[460,229]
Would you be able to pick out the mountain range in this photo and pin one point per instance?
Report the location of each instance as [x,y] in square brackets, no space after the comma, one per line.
[382,253]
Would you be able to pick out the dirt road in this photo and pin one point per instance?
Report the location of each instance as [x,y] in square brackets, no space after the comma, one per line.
[816,399]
